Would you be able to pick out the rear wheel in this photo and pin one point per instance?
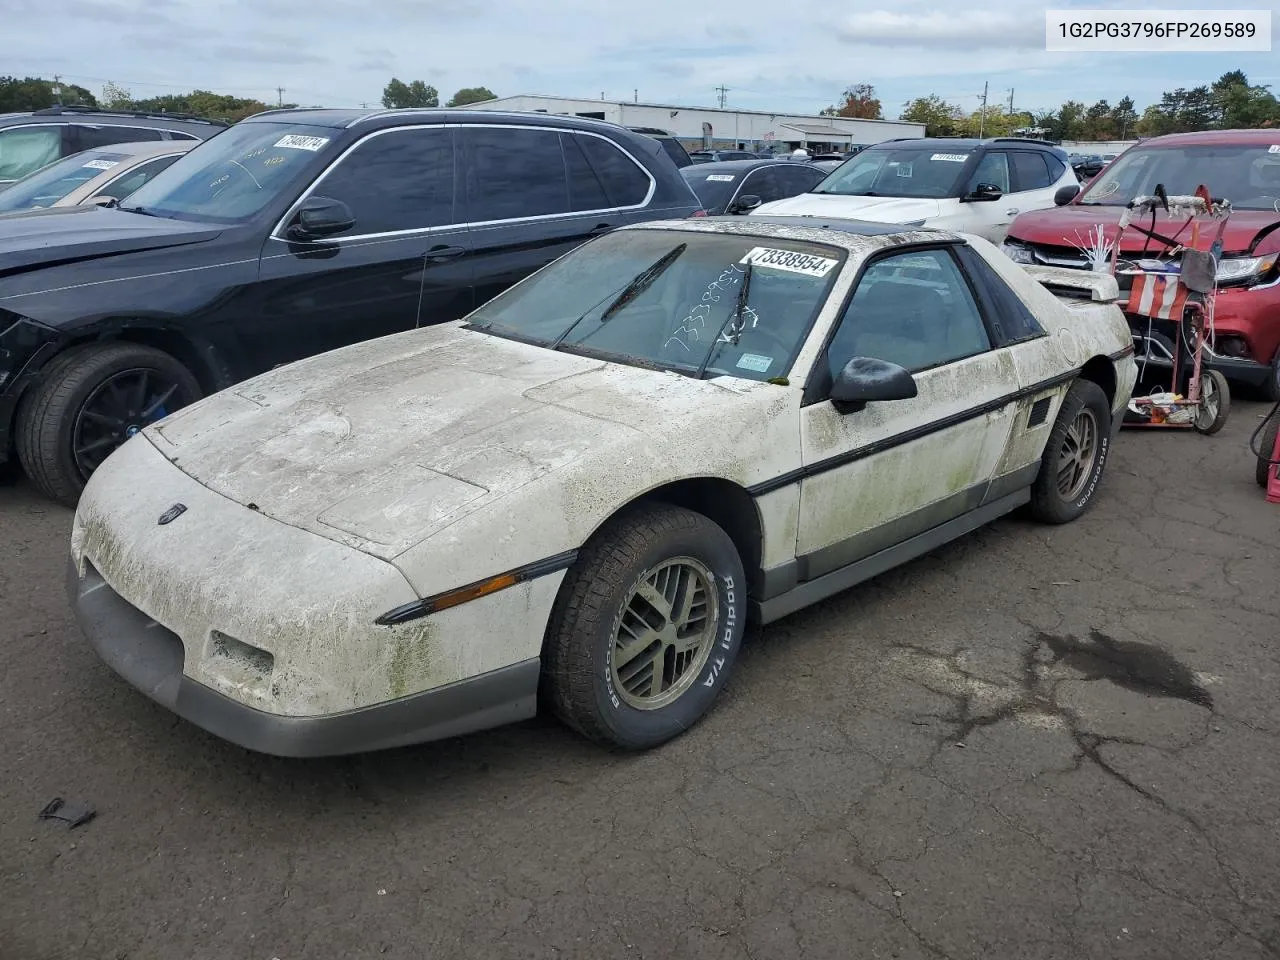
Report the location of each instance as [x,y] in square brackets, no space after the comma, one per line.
[89,401]
[1266,446]
[1074,457]
[646,629]
[1215,403]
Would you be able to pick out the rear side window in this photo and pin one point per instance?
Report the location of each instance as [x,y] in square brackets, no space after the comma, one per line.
[1011,319]
[514,173]
[1057,167]
[399,180]
[26,149]
[121,187]
[1030,171]
[796,178]
[586,192]
[87,137]
[626,183]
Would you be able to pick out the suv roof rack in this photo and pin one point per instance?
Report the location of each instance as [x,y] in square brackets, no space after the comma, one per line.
[1043,143]
[61,109]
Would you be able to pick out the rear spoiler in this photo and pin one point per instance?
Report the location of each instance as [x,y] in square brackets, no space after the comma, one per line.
[1076,284]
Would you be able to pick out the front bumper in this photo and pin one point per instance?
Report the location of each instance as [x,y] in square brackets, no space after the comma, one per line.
[1155,348]
[151,658]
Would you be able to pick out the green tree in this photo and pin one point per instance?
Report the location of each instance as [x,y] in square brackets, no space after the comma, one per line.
[1154,122]
[859,102]
[1124,118]
[36,93]
[1097,122]
[1070,120]
[115,97]
[1240,104]
[399,94]
[471,95]
[940,118]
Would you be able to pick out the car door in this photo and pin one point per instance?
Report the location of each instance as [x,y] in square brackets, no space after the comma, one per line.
[1033,183]
[891,471]
[517,201]
[403,259]
[990,218]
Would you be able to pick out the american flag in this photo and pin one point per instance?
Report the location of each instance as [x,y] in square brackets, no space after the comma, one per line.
[1157,295]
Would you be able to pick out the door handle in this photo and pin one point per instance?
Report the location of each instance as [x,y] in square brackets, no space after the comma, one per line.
[442,253]
[1011,212]
[601,228]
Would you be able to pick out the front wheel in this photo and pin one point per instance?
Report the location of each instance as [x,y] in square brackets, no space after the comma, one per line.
[1215,403]
[646,629]
[1074,457]
[90,400]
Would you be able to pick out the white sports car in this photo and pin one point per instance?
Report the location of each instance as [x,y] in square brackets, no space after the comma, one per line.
[579,494]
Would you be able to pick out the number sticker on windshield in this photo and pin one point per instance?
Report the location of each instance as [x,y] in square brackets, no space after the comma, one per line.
[1274,148]
[295,142]
[721,177]
[101,164]
[789,260]
[951,157]
[755,362]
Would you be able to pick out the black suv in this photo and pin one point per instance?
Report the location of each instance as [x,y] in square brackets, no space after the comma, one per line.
[292,233]
[29,141]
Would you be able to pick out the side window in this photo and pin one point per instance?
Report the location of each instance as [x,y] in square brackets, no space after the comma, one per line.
[993,168]
[24,150]
[1056,167]
[761,183]
[1030,171]
[121,187]
[175,135]
[626,183]
[399,180]
[797,179]
[87,137]
[1014,320]
[586,192]
[514,173]
[913,309]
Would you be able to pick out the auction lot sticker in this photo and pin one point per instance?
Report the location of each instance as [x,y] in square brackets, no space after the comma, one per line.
[295,142]
[101,164]
[789,260]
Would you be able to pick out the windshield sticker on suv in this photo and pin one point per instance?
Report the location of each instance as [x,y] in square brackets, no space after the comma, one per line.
[295,142]
[101,164]
[1274,148]
[753,361]
[721,177]
[951,157]
[789,260]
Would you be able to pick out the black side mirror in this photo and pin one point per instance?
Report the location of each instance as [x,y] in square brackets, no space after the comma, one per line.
[985,192]
[745,204]
[1066,194]
[320,217]
[866,380]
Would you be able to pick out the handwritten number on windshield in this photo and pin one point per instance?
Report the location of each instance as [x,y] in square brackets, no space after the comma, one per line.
[694,323]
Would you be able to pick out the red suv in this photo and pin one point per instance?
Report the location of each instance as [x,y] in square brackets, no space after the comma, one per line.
[1241,165]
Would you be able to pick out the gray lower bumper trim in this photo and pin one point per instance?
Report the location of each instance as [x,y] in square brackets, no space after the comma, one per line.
[150,658]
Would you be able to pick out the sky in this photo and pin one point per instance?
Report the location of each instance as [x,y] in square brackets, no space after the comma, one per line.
[795,56]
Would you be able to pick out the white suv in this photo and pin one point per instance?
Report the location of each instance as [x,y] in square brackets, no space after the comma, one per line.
[969,186]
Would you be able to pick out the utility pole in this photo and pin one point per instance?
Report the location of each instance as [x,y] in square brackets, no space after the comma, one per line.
[637,95]
[1011,101]
[722,90]
[279,96]
[57,88]
[982,119]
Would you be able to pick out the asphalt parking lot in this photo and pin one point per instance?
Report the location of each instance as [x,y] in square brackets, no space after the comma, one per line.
[1035,743]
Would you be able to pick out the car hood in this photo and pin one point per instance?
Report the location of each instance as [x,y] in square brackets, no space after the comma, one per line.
[1070,226]
[877,209]
[57,235]
[386,443]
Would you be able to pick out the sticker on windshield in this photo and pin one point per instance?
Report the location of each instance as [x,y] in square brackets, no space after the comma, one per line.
[101,164]
[721,177]
[789,260]
[904,169]
[295,142]
[951,157]
[1274,148]
[755,362]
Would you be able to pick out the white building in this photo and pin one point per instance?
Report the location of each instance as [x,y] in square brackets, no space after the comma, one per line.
[709,127]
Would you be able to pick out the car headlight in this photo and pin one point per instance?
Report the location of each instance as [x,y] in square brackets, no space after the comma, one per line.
[1244,269]
[1017,252]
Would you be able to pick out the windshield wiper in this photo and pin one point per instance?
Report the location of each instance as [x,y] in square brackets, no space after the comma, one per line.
[142,210]
[739,308]
[638,284]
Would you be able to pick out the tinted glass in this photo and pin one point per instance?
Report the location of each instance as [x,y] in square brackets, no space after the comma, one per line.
[714,187]
[124,185]
[47,186]
[1014,320]
[797,179]
[586,192]
[626,183]
[231,177]
[675,151]
[514,173]
[762,183]
[24,149]
[898,171]
[1250,173]
[1030,171]
[1056,168]
[687,314]
[912,309]
[88,137]
[993,169]
[399,180]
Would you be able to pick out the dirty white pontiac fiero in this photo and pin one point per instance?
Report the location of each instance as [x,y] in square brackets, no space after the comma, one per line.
[579,494]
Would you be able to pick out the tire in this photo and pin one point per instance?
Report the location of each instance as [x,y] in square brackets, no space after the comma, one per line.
[50,416]
[1266,445]
[1056,502]
[1213,385]
[615,705]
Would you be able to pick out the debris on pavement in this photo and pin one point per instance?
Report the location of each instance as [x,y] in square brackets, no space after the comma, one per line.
[74,814]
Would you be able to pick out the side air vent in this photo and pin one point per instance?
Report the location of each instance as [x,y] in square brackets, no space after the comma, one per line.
[1039,412]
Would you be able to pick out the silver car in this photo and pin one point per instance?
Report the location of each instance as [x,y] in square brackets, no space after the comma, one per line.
[104,175]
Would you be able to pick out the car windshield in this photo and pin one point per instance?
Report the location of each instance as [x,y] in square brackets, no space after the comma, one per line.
[233,176]
[50,184]
[898,172]
[674,300]
[713,186]
[1246,174]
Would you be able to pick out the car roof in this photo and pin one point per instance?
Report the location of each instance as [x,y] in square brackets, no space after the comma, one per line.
[376,119]
[733,166]
[144,149]
[1215,138]
[849,234]
[96,115]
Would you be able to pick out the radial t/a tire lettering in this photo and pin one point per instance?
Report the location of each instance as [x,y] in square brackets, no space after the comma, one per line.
[1074,456]
[646,629]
